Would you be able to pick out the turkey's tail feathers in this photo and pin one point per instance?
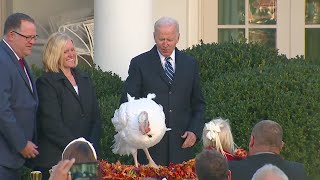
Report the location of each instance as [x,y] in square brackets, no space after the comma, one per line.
[121,147]
[151,96]
[119,119]
[116,121]
[130,98]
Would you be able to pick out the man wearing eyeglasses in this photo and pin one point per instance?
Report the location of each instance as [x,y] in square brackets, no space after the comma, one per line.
[18,96]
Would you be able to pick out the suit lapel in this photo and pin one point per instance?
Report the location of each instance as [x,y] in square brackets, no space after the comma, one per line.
[20,70]
[157,65]
[34,88]
[62,79]
[82,87]
[71,89]
[26,80]
[80,83]
[22,73]
[163,75]
[177,72]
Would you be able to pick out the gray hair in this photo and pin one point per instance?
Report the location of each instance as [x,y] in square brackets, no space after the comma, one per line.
[269,170]
[166,21]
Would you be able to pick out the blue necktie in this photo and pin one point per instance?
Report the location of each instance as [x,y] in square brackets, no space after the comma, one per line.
[169,69]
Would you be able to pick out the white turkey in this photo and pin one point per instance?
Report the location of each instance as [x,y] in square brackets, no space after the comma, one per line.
[140,124]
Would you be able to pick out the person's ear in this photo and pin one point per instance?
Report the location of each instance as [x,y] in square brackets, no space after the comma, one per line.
[251,143]
[229,175]
[10,35]
[282,145]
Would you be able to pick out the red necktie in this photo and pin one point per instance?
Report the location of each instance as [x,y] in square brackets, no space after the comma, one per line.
[22,64]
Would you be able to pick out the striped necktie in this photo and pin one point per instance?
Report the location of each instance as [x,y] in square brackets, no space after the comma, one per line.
[168,69]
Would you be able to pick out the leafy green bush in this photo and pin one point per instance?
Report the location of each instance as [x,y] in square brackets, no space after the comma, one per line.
[243,83]
[217,59]
[246,83]
[108,87]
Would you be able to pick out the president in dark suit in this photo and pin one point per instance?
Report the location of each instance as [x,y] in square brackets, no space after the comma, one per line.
[264,148]
[174,77]
[18,99]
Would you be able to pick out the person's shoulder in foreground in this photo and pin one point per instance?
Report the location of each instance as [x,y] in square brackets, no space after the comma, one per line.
[264,148]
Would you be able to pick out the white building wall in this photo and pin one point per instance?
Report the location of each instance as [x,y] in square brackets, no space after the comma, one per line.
[123,29]
[41,10]
[176,9]
[119,36]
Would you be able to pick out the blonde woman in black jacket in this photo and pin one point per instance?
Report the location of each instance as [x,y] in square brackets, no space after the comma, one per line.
[68,107]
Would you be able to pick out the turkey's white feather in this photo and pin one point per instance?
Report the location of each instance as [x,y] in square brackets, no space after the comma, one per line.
[128,138]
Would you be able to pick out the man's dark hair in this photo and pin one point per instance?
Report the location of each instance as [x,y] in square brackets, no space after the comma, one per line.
[13,22]
[79,150]
[210,164]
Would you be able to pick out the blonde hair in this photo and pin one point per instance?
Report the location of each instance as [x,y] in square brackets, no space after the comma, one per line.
[53,53]
[217,134]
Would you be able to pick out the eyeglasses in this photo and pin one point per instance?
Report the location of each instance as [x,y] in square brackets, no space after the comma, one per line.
[28,38]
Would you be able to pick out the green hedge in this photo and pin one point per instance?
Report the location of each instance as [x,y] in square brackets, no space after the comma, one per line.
[287,94]
[108,87]
[217,59]
[243,83]
[246,83]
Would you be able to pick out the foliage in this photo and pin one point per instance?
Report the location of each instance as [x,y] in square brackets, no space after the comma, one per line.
[217,59]
[246,83]
[108,87]
[243,83]
[115,171]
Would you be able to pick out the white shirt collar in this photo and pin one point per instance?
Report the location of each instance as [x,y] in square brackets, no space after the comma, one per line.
[172,61]
[173,55]
[11,49]
[264,153]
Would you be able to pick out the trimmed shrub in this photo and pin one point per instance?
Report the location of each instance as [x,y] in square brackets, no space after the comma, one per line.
[287,94]
[108,87]
[243,83]
[216,59]
[246,83]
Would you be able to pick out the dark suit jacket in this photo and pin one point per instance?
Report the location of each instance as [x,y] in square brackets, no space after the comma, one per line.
[244,169]
[64,115]
[18,106]
[182,102]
